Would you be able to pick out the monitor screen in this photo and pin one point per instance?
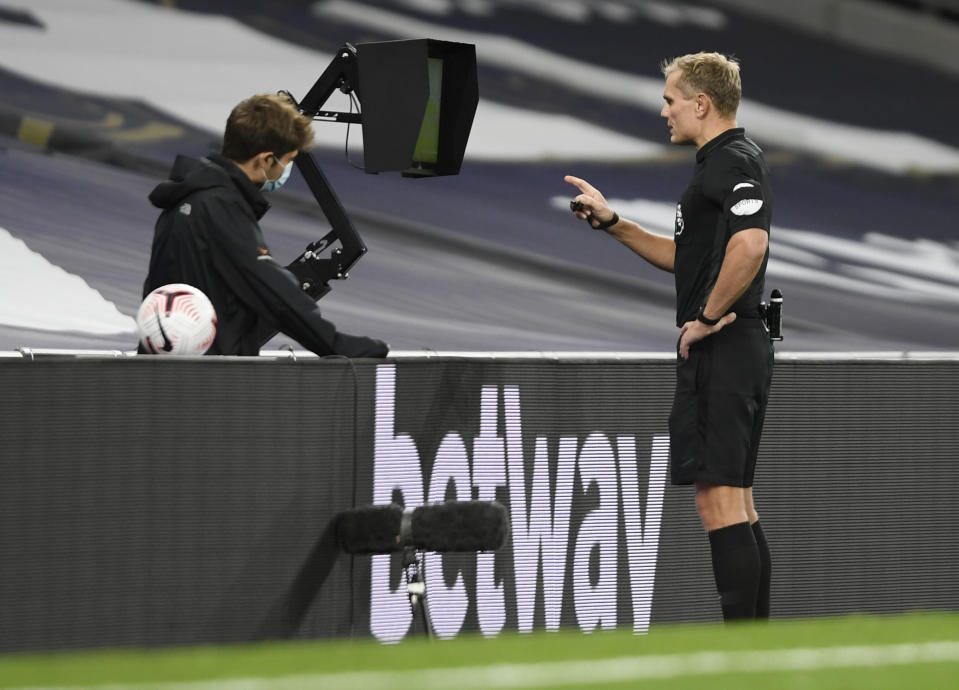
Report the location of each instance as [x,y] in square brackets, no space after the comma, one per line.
[428,141]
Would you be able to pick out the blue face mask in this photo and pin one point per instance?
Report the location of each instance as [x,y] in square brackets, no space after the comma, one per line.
[273,185]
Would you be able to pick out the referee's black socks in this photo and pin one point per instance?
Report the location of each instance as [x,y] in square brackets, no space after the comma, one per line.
[765,577]
[737,568]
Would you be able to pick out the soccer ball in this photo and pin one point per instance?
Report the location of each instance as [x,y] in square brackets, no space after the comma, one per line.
[176,319]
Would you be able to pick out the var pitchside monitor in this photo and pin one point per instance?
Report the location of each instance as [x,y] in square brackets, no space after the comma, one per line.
[418,98]
[417,101]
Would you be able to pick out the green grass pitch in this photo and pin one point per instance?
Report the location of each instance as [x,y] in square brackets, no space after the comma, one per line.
[910,651]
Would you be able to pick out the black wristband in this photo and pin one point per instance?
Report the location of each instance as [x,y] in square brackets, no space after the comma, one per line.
[607,224]
[706,320]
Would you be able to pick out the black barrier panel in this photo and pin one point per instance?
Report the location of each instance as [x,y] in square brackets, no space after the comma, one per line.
[150,502]
[578,469]
[587,443]
[173,502]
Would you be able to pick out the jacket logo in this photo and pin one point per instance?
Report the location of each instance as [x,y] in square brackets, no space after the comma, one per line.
[680,226]
[185,209]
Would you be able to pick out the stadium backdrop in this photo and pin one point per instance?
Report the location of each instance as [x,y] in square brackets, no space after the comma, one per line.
[152,501]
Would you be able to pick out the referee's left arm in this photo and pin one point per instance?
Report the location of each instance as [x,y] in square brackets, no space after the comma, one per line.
[744,256]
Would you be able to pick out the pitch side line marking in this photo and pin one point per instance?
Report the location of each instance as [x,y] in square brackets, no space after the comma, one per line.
[585,672]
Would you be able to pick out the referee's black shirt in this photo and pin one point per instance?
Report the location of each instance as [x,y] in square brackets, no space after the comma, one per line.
[729,192]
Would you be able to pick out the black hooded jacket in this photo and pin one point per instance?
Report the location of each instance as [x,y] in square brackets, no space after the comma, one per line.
[208,236]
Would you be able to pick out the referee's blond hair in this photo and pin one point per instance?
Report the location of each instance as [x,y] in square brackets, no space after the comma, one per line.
[713,74]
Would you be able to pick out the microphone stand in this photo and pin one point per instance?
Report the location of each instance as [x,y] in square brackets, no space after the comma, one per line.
[416,587]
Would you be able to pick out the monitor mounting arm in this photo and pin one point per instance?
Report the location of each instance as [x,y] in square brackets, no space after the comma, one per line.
[313,272]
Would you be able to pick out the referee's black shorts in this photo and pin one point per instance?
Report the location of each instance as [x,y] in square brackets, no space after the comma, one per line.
[719,406]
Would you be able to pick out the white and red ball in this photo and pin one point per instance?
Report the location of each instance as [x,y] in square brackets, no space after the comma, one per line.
[176,319]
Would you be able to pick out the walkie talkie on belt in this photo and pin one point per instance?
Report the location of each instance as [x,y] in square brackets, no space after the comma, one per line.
[772,314]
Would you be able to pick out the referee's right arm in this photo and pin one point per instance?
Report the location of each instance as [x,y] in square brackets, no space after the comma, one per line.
[658,250]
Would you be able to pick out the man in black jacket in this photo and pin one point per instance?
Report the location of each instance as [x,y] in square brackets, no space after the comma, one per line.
[208,236]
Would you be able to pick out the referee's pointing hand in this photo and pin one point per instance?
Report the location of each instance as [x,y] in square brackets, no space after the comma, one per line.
[594,204]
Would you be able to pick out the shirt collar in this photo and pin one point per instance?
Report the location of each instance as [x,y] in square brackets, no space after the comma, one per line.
[719,140]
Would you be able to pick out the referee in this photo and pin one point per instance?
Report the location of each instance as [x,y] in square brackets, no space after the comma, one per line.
[718,254]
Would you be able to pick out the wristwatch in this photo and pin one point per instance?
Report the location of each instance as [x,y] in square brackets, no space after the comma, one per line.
[705,319]
[604,224]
